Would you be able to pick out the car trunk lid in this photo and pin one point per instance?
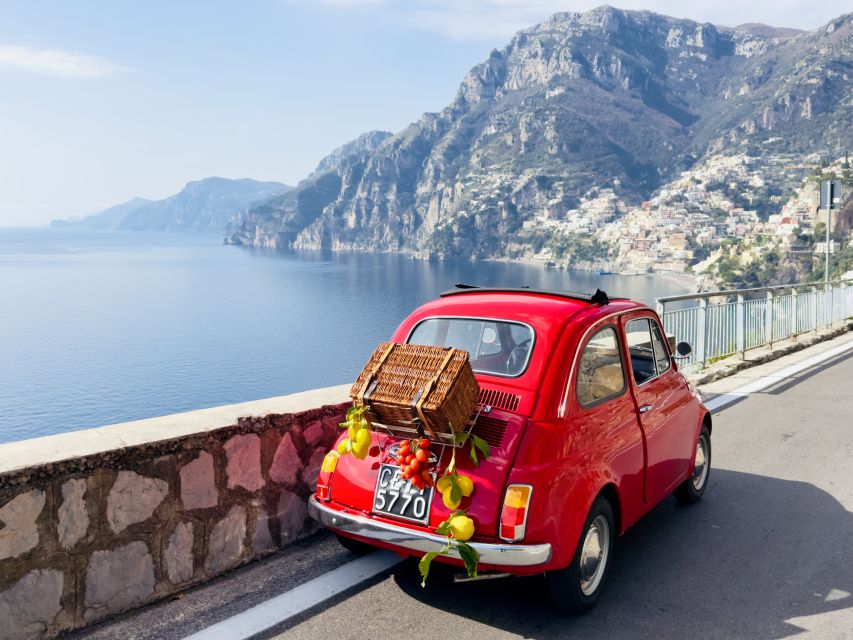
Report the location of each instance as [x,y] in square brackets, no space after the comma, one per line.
[354,481]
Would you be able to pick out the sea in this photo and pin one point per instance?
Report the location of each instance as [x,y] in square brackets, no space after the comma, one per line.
[100,327]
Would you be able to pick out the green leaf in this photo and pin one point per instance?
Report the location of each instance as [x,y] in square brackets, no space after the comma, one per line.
[481,444]
[460,438]
[351,412]
[455,491]
[424,564]
[444,528]
[451,468]
[470,557]
[473,455]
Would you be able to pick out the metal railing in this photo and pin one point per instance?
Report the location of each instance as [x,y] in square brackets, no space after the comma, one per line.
[719,324]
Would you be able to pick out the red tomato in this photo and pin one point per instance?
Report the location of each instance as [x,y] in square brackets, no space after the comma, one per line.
[422,455]
[409,458]
[424,444]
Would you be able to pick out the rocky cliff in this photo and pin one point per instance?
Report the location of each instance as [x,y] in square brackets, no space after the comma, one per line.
[604,99]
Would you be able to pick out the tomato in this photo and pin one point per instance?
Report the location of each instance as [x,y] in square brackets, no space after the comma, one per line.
[422,455]
[409,458]
[424,444]
[414,466]
[400,460]
[418,482]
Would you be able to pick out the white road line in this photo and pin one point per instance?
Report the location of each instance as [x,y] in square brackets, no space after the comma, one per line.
[760,384]
[291,603]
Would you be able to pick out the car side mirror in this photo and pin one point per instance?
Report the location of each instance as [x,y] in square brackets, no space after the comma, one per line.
[683,349]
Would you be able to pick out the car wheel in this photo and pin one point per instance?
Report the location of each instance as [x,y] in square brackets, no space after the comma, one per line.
[691,490]
[577,588]
[357,547]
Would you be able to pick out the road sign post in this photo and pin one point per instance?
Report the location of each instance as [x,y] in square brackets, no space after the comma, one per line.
[830,198]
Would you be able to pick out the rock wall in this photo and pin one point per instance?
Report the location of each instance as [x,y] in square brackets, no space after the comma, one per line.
[87,537]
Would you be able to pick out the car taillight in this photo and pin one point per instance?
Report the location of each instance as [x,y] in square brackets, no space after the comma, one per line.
[324,480]
[514,512]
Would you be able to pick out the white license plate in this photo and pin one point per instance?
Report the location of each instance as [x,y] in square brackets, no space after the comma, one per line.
[400,498]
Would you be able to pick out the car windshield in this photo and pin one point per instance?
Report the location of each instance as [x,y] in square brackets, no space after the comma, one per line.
[496,347]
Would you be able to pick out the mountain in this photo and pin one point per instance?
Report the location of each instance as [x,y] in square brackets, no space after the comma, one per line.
[291,212]
[106,219]
[606,99]
[203,205]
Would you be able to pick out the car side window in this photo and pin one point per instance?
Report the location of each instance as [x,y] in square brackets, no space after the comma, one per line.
[601,375]
[638,334]
[661,355]
[647,351]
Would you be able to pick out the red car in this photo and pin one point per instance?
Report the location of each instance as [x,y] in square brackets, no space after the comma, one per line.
[589,422]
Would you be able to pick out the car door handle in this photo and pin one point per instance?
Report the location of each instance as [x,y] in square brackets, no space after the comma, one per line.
[645,408]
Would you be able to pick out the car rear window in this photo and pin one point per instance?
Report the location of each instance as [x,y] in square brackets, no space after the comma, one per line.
[497,347]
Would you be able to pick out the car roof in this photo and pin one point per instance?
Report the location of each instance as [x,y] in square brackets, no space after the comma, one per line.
[546,311]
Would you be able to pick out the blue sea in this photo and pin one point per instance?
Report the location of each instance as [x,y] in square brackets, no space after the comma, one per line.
[98,327]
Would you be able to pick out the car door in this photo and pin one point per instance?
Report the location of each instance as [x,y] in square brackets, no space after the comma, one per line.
[663,406]
[606,419]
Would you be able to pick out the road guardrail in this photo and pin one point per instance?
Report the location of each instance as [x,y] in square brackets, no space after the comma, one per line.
[720,324]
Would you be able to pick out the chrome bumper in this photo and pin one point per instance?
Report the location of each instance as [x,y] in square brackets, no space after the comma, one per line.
[506,555]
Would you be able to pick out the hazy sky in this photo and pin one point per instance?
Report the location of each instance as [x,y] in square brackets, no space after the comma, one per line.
[103,101]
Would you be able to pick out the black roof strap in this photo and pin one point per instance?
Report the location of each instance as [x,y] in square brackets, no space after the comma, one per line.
[599,297]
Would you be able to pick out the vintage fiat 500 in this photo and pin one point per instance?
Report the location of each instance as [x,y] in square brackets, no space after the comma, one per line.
[590,425]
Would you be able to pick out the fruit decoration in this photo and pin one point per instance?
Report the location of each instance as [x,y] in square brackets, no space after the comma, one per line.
[413,458]
[458,528]
[358,431]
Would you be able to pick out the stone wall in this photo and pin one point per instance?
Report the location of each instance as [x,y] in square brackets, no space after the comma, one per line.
[83,537]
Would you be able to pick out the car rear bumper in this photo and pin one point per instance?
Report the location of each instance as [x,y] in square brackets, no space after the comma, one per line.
[505,555]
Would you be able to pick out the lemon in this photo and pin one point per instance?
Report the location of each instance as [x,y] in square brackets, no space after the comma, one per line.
[342,446]
[445,498]
[352,431]
[466,485]
[462,527]
[443,484]
[361,444]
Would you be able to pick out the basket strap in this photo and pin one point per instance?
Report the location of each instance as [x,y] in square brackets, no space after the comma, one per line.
[364,392]
[419,399]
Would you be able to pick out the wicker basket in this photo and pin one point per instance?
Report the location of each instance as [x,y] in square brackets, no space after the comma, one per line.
[418,389]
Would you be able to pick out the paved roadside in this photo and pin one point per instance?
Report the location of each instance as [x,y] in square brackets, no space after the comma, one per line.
[228,595]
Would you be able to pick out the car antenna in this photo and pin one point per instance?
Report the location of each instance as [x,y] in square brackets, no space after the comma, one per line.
[599,297]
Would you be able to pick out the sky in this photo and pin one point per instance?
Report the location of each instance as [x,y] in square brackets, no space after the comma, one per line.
[104,101]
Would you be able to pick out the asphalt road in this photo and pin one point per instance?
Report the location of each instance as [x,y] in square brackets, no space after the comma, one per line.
[767,553]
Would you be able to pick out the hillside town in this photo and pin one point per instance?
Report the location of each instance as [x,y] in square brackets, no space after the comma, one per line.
[739,205]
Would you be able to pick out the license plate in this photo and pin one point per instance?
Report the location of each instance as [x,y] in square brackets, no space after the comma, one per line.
[400,498]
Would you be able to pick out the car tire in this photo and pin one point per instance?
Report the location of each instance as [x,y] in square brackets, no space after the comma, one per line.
[357,547]
[692,489]
[577,588]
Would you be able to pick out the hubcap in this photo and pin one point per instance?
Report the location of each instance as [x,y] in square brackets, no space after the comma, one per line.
[593,560]
[700,468]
